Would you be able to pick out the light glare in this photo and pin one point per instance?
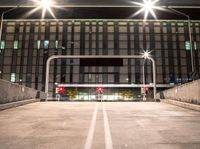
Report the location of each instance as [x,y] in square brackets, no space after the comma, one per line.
[146,54]
[45,5]
[147,7]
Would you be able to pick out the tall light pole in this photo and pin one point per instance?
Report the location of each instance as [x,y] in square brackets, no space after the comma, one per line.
[190,35]
[44,4]
[148,7]
[144,97]
[2,17]
[146,55]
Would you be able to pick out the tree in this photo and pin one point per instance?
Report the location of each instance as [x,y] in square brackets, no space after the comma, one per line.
[127,94]
[72,93]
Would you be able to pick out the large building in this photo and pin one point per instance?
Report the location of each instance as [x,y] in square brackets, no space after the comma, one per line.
[27,43]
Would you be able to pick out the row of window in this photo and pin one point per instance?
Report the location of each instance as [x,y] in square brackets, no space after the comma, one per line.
[46,44]
[101,22]
[16,44]
[100,30]
[123,78]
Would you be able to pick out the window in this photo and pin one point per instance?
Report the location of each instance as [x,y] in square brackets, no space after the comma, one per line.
[38,44]
[46,44]
[187,45]
[2,46]
[15,45]
[195,45]
[56,44]
[13,77]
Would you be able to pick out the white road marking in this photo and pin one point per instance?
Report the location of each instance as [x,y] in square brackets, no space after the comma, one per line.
[89,140]
[108,138]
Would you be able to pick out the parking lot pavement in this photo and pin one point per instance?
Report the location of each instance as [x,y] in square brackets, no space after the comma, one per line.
[153,125]
[95,125]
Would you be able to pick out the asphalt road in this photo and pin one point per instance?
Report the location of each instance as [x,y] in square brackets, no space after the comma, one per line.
[95,125]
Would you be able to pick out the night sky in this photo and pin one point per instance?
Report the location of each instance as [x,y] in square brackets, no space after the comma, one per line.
[106,2]
[102,13]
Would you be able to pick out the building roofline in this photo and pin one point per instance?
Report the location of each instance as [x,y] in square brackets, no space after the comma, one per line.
[127,20]
[99,6]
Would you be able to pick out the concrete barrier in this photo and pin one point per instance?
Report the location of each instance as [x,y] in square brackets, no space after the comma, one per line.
[183,104]
[189,92]
[17,103]
[11,92]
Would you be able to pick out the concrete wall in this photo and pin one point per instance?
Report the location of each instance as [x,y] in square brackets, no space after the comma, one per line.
[189,92]
[10,92]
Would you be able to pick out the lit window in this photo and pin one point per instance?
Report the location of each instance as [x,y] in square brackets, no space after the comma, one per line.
[195,45]
[46,44]
[56,44]
[187,45]
[38,44]
[2,45]
[15,45]
[13,77]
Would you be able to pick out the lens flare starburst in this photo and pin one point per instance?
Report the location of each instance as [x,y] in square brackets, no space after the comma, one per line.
[146,54]
[45,5]
[148,7]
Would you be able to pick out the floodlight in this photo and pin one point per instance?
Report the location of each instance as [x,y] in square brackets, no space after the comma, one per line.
[147,7]
[45,5]
[146,54]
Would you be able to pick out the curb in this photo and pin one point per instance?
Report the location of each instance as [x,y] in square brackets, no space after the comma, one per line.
[182,104]
[16,104]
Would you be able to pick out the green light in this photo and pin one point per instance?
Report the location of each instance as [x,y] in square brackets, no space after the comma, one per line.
[187,45]
[2,45]
[46,44]
[56,44]
[15,45]
[38,44]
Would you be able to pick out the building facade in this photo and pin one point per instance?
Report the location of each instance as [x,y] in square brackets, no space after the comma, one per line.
[27,44]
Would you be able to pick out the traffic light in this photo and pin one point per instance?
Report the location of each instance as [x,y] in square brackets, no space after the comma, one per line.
[61,90]
[146,90]
[100,90]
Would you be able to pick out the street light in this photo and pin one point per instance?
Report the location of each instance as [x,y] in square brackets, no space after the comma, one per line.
[148,6]
[44,4]
[190,34]
[146,55]
[144,98]
[1,26]
[2,17]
